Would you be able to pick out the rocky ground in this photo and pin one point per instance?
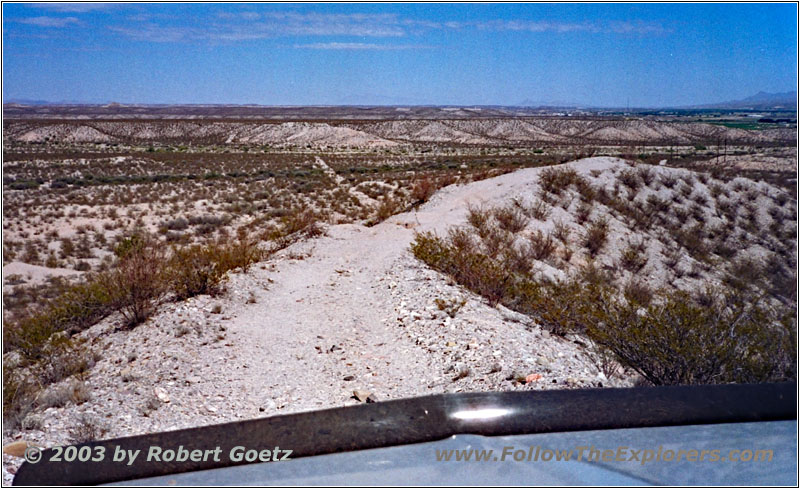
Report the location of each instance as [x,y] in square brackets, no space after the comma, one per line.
[352,310]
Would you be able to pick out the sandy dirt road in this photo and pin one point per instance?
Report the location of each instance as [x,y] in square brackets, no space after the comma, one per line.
[339,296]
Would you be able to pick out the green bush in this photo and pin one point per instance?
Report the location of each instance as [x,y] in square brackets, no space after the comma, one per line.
[138,280]
[76,308]
[472,269]
[558,307]
[141,276]
[676,341]
[133,287]
[24,383]
[193,271]
[718,336]
[199,269]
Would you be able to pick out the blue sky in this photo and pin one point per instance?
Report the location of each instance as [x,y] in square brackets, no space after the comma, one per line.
[642,55]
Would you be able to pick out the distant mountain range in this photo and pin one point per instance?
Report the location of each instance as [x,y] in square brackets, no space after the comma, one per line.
[25,101]
[540,103]
[759,101]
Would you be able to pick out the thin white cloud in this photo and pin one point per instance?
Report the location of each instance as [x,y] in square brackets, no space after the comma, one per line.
[638,27]
[45,21]
[239,15]
[536,26]
[618,27]
[359,46]
[244,26]
[72,7]
[248,24]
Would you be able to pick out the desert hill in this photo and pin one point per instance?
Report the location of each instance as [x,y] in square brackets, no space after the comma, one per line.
[494,132]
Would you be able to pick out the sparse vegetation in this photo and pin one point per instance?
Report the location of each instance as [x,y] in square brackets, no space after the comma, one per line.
[595,236]
[742,331]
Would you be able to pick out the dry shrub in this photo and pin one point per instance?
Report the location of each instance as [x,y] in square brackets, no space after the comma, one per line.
[638,292]
[305,221]
[583,212]
[727,335]
[239,254]
[23,382]
[423,189]
[73,391]
[668,180]
[178,224]
[139,280]
[561,231]
[387,208]
[516,258]
[630,178]
[744,274]
[194,271]
[497,241]
[479,218]
[541,246]
[676,341]
[450,306]
[462,239]
[75,308]
[656,204]
[588,191]
[693,239]
[475,270]
[538,209]
[556,180]
[596,236]
[510,218]
[86,430]
[634,258]
[647,175]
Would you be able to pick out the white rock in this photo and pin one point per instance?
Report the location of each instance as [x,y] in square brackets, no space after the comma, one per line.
[162,395]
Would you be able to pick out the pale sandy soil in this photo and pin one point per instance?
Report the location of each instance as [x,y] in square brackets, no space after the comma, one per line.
[34,274]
